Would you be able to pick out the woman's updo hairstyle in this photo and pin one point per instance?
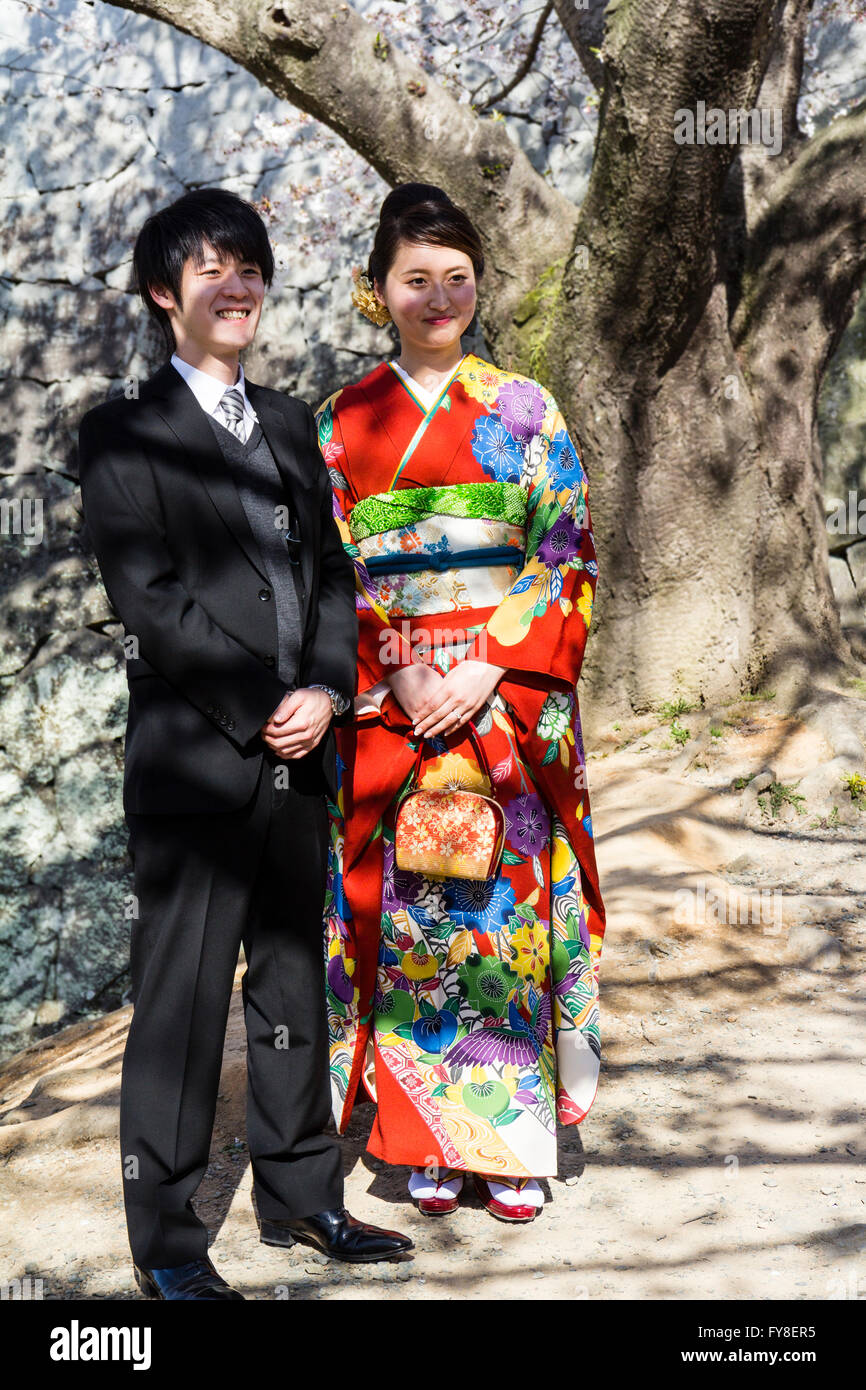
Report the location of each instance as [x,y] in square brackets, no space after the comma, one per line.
[416,212]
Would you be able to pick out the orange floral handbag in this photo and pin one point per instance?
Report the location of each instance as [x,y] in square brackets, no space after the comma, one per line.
[446,832]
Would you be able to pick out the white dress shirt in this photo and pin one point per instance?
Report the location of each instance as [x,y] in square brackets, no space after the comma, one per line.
[209,391]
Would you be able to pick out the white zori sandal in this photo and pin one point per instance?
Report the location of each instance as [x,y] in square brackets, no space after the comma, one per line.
[436,1195]
[509,1199]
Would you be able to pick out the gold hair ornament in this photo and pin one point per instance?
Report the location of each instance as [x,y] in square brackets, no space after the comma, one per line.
[364,298]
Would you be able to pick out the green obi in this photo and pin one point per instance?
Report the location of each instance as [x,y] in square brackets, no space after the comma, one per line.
[391,511]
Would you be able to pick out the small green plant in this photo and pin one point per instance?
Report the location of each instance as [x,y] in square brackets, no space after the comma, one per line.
[671,708]
[855,785]
[781,795]
[716,732]
[740,782]
[760,695]
[830,822]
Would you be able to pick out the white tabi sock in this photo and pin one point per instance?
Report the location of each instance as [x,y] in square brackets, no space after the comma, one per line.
[530,1195]
[450,1183]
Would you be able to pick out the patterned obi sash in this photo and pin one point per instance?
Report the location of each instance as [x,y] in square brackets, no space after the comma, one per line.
[441,549]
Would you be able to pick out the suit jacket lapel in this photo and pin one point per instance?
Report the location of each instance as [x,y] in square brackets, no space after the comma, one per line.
[180,410]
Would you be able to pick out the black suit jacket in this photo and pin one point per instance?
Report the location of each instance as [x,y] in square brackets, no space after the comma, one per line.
[185,577]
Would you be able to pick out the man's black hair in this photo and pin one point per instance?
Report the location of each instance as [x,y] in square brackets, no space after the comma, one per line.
[170,237]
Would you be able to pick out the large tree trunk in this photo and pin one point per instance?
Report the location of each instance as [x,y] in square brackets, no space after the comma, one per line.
[696,315]
[683,316]
[713,569]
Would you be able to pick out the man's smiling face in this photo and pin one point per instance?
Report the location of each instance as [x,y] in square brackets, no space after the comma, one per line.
[219,309]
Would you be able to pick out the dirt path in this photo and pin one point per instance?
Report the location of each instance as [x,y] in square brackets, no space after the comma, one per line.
[724,1154]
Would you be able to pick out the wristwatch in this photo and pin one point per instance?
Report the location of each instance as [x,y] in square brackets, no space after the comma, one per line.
[339,702]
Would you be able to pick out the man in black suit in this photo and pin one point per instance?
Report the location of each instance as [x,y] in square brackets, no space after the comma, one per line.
[209,508]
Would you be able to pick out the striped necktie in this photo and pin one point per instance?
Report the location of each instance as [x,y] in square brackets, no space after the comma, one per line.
[230,412]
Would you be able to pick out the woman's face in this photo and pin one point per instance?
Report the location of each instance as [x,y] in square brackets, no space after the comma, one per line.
[430,292]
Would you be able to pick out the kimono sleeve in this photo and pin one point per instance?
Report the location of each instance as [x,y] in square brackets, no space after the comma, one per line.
[542,622]
[382,649]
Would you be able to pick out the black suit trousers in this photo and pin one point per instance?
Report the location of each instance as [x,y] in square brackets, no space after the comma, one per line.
[204,884]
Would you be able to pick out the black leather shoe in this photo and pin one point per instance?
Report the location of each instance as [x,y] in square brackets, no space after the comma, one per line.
[198,1279]
[339,1235]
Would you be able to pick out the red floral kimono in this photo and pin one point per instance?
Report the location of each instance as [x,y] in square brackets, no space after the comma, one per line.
[470,1008]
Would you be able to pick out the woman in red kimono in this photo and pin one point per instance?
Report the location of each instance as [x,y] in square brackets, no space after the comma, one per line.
[469,1008]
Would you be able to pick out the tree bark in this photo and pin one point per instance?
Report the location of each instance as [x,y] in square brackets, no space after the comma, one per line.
[683,316]
[330,63]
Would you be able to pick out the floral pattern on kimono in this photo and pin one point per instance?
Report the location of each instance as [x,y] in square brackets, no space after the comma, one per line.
[470,1008]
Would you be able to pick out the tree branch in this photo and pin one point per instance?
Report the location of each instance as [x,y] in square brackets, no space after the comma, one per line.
[585,27]
[756,167]
[648,225]
[780,89]
[806,257]
[332,64]
[527,62]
